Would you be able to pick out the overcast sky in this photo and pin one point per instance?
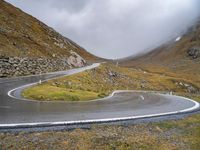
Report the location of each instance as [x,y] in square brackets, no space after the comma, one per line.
[115,28]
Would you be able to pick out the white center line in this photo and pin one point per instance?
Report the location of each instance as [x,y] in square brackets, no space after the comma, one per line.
[142,97]
[5,107]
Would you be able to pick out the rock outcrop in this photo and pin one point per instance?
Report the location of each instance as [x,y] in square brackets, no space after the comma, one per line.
[188,87]
[75,60]
[16,66]
[194,52]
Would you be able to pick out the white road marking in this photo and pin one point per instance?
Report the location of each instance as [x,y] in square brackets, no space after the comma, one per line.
[142,97]
[196,106]
[102,120]
[5,107]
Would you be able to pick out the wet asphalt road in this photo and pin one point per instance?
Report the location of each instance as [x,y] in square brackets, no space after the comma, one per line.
[126,104]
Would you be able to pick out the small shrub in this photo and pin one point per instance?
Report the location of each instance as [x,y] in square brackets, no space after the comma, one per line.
[102,95]
[74,98]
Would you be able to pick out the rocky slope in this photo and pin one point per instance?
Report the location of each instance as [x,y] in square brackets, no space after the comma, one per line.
[28,46]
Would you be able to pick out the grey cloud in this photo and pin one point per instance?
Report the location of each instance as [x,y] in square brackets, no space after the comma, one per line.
[115,28]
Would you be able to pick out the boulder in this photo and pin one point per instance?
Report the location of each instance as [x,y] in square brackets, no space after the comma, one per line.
[191,89]
[194,52]
[112,74]
[75,60]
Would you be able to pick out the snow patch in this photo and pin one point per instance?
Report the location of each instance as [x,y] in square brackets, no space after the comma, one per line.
[178,39]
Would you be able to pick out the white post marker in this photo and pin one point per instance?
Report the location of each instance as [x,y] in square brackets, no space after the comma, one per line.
[40,81]
[117,64]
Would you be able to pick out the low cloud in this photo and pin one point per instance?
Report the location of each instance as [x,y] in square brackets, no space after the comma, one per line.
[115,28]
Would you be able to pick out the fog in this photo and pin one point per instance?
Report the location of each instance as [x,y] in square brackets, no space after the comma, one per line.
[115,28]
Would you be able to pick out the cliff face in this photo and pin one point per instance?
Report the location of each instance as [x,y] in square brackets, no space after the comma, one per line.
[26,40]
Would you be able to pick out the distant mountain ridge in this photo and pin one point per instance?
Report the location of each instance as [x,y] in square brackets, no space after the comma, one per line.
[182,53]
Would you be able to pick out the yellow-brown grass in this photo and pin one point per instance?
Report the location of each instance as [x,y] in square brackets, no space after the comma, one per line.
[102,81]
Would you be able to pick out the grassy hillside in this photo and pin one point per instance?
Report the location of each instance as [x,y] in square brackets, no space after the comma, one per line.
[102,81]
[22,35]
[177,56]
